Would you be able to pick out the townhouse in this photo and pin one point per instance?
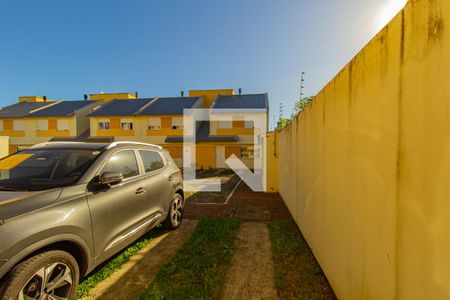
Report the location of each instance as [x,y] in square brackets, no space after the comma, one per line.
[159,120]
[156,120]
[35,119]
[147,120]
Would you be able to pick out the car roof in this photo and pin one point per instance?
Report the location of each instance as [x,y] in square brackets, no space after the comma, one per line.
[71,145]
[94,146]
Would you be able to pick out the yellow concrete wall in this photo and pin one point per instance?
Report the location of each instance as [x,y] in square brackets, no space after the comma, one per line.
[366,167]
[272,162]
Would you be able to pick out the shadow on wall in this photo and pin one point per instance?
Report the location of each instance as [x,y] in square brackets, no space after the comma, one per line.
[364,169]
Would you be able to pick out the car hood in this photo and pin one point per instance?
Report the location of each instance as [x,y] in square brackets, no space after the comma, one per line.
[17,203]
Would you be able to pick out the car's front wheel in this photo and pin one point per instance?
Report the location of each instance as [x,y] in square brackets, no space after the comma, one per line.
[175,214]
[48,275]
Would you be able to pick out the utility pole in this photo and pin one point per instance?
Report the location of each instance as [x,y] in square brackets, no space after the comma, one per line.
[280,117]
[302,80]
[281,111]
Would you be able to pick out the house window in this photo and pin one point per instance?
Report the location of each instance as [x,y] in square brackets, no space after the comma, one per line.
[1,125]
[62,125]
[126,124]
[42,125]
[154,124]
[18,125]
[177,123]
[250,152]
[248,124]
[103,125]
[225,124]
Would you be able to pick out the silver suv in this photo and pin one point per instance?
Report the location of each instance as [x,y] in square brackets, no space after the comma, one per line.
[66,207]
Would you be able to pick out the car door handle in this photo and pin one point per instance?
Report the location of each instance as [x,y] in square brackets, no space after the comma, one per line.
[140,190]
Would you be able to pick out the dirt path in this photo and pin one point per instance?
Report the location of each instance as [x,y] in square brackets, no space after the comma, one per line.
[135,275]
[251,272]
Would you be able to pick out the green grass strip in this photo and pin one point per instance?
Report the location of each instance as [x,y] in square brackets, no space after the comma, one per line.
[106,269]
[198,269]
[297,273]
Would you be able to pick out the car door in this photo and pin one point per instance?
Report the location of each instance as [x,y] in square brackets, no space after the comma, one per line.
[119,211]
[157,182]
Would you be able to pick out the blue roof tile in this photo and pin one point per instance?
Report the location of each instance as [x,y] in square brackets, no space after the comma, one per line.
[170,105]
[121,107]
[21,109]
[248,101]
[61,109]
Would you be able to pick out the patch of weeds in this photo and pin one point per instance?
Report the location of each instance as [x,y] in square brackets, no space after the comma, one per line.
[105,270]
[297,273]
[198,269]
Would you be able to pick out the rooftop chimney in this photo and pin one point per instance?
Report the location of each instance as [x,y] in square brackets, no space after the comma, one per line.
[182,93]
[45,98]
[136,94]
[240,91]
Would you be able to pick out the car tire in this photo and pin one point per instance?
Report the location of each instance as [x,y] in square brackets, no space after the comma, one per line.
[52,272]
[175,214]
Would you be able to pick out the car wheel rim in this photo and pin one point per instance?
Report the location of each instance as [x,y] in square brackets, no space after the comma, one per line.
[52,282]
[176,210]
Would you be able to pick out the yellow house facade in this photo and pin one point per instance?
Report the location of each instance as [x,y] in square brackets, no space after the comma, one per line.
[155,120]
[160,120]
[34,120]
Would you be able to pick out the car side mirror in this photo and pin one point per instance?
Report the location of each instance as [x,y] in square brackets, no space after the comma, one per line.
[110,178]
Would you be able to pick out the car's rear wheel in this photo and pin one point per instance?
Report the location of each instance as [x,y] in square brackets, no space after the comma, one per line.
[48,275]
[175,215]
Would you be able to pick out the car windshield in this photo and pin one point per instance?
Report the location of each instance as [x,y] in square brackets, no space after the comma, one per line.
[40,169]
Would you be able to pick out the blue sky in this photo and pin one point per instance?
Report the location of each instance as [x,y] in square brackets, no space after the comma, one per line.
[64,49]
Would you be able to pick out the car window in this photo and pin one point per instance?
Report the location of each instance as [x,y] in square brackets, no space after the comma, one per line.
[123,162]
[39,169]
[152,160]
